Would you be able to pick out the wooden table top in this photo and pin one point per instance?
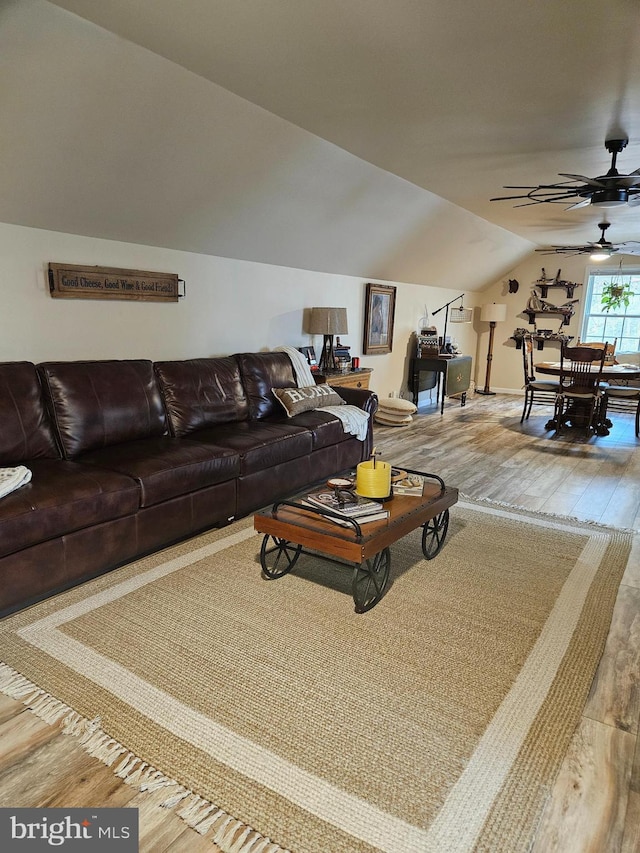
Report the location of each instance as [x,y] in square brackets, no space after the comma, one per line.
[616,371]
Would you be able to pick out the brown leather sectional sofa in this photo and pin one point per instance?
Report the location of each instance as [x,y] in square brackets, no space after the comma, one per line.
[130,456]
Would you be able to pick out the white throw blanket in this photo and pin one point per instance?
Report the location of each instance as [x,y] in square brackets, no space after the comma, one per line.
[12,478]
[355,421]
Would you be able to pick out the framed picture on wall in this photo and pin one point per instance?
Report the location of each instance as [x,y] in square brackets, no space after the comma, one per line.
[379,311]
[310,354]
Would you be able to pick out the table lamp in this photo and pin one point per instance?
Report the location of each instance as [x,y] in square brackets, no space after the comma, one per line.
[491,314]
[328,322]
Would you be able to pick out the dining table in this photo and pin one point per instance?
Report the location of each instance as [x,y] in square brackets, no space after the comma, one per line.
[620,373]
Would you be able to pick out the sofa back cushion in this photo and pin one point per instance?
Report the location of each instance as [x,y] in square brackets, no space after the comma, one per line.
[201,393]
[261,372]
[25,432]
[99,403]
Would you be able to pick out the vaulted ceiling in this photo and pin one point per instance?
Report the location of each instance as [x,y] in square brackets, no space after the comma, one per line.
[346,136]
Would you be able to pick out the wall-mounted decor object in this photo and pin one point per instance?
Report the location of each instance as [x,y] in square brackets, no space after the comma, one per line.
[67,281]
[379,311]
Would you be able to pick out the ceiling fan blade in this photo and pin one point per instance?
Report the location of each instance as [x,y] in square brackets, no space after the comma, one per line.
[592,182]
[565,250]
[582,203]
[634,200]
[628,181]
[549,194]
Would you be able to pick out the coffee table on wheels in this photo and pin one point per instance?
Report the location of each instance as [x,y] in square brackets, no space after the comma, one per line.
[290,526]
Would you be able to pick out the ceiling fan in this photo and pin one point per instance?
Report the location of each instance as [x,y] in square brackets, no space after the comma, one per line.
[610,190]
[599,250]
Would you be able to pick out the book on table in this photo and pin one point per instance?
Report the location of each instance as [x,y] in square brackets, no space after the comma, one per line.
[360,509]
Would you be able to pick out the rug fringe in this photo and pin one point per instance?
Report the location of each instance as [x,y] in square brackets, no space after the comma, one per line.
[231,835]
[551,515]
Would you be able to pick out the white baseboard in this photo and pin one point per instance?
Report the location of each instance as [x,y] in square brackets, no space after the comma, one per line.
[518,391]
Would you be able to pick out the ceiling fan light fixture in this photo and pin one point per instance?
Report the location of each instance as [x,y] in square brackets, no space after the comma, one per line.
[610,197]
[600,254]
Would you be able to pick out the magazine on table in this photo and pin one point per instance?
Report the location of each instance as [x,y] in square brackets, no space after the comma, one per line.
[383,515]
[13,478]
[352,506]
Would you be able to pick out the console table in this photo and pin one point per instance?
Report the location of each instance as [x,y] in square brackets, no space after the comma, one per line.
[358,378]
[452,375]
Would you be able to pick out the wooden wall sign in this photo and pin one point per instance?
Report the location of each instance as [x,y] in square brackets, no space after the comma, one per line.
[77,282]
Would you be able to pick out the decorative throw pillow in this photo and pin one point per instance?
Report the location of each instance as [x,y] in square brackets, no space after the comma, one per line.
[297,400]
[396,406]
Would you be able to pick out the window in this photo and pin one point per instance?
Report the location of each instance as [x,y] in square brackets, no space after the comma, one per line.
[623,323]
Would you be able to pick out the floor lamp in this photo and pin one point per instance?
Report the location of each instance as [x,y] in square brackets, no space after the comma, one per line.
[491,314]
[328,322]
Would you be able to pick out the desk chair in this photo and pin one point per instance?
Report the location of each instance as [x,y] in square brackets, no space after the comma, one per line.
[580,396]
[538,391]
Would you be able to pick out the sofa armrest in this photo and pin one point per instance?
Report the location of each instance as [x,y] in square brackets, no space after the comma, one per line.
[363,399]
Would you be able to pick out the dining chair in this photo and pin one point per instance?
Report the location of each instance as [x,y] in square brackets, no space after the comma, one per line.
[538,391]
[580,397]
[609,349]
[621,399]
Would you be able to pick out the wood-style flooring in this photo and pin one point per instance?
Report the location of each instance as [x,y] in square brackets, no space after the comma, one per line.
[484,451]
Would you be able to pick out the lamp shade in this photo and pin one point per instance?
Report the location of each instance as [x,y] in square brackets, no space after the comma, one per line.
[493,313]
[328,321]
[461,315]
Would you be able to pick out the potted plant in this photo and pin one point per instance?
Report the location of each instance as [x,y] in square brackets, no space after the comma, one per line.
[615,295]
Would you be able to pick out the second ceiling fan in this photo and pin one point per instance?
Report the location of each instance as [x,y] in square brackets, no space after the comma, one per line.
[599,250]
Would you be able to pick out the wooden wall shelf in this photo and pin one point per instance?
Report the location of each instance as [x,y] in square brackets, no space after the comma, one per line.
[541,340]
[566,315]
[569,287]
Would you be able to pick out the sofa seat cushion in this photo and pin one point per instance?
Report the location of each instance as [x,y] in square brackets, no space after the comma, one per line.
[325,428]
[165,467]
[62,497]
[260,444]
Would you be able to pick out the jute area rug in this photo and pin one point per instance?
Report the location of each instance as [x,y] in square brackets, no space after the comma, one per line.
[278,719]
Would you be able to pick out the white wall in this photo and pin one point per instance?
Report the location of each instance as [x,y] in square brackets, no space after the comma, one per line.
[230,306]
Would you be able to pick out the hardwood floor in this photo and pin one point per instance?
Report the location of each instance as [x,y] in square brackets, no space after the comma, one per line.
[484,451]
